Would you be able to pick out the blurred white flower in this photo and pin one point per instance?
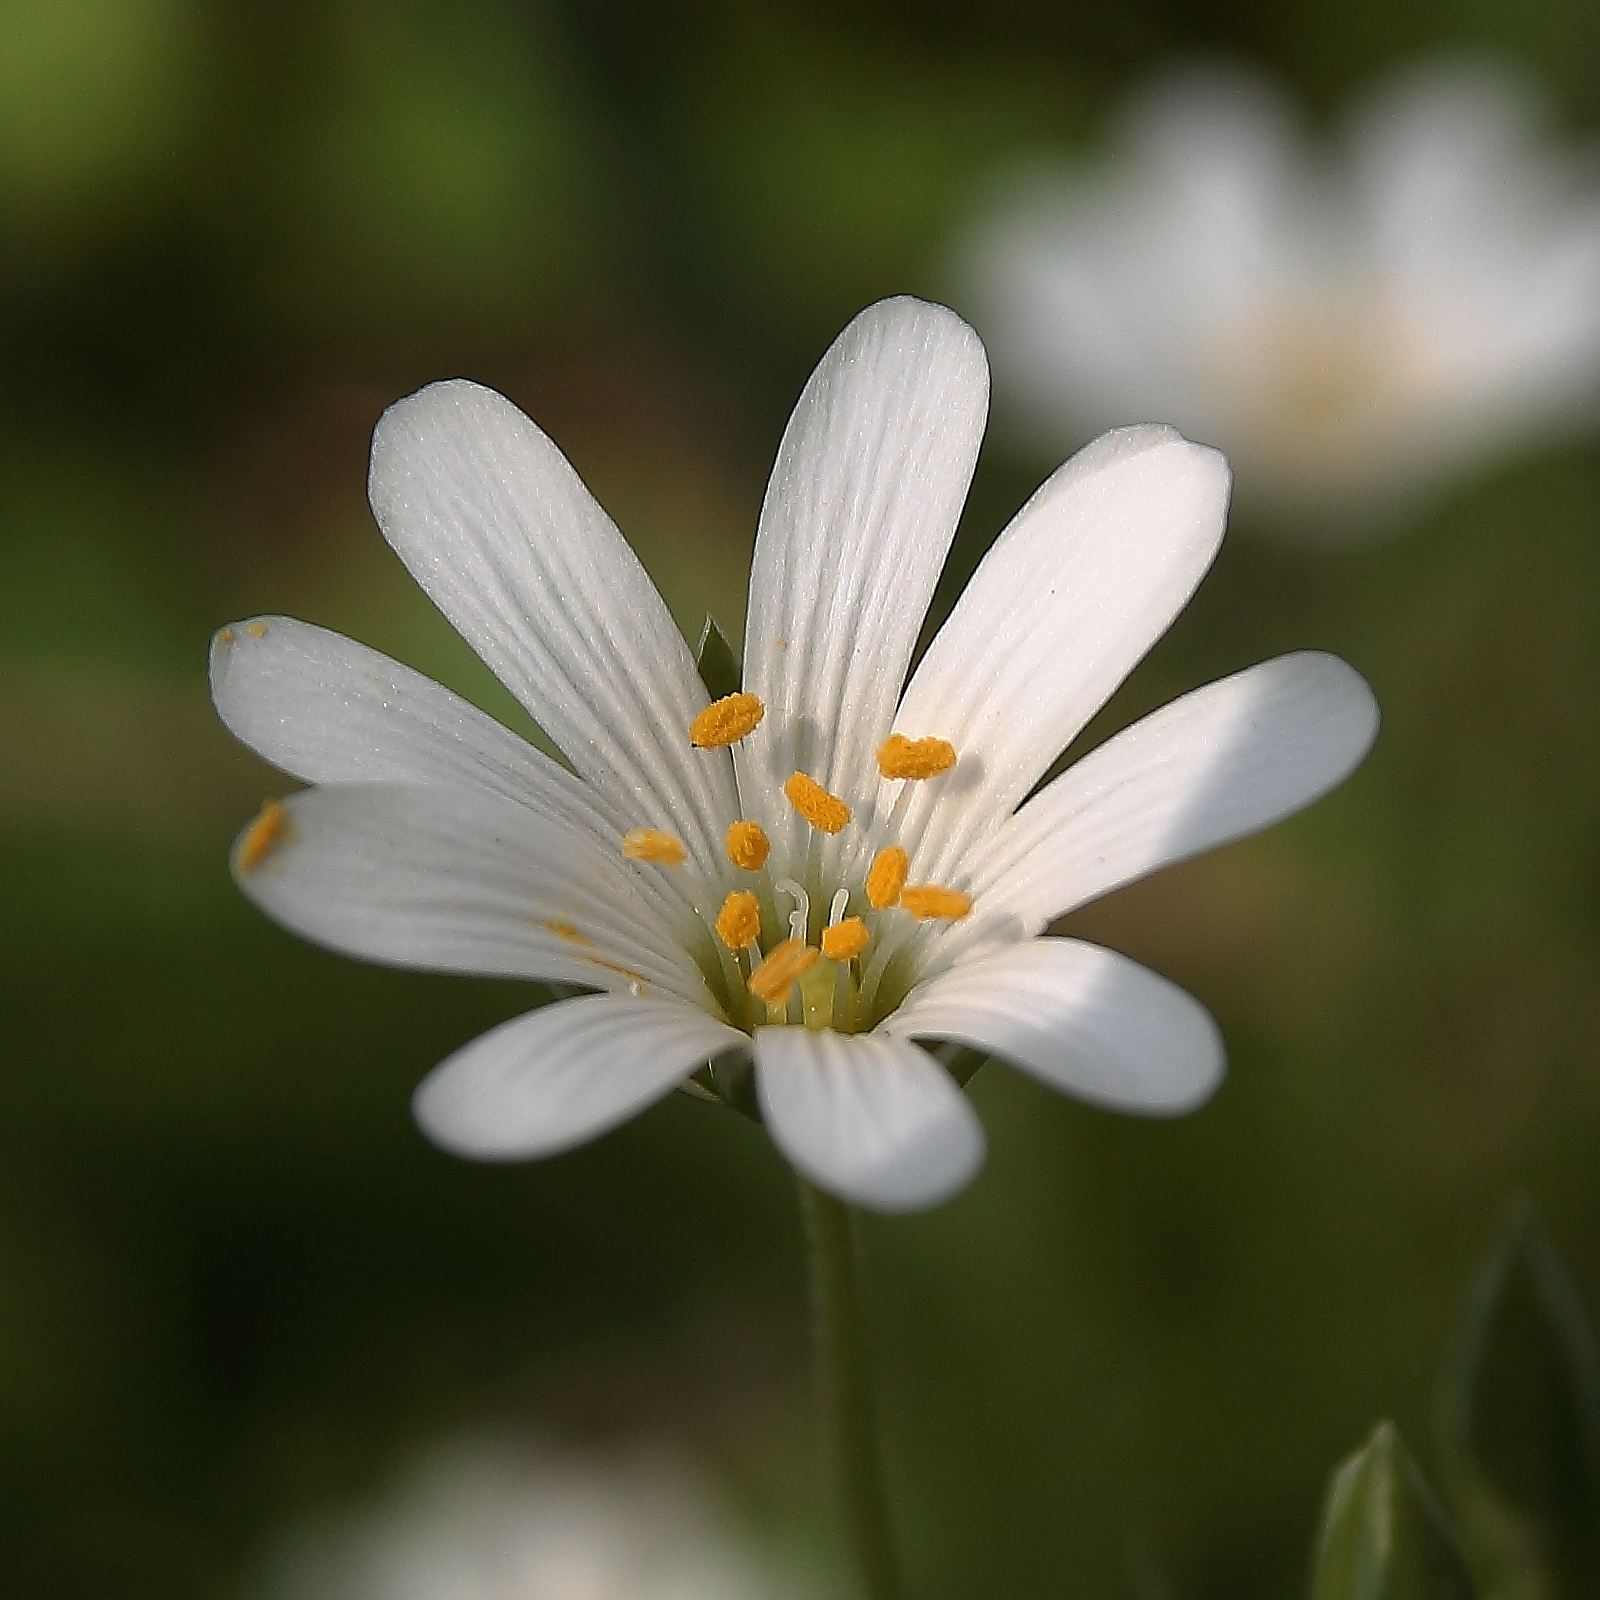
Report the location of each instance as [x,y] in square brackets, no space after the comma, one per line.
[490,1522]
[1352,327]
[822,868]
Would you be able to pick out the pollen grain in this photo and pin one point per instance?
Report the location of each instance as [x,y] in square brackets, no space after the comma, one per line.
[845,940]
[928,900]
[726,721]
[900,757]
[652,844]
[748,845]
[269,828]
[782,966]
[256,630]
[827,813]
[886,877]
[739,920]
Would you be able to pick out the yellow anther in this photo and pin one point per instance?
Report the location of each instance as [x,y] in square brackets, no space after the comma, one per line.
[886,877]
[845,940]
[256,630]
[268,828]
[748,845]
[900,757]
[932,900]
[827,813]
[739,920]
[224,635]
[651,844]
[779,969]
[726,721]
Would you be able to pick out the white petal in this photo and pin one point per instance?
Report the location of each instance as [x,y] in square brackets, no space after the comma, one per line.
[1086,578]
[461,881]
[1108,292]
[872,1119]
[561,1075]
[1081,1019]
[497,527]
[329,710]
[863,502]
[1219,763]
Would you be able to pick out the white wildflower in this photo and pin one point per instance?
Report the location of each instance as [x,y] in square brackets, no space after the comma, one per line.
[1354,328]
[486,1521]
[833,863]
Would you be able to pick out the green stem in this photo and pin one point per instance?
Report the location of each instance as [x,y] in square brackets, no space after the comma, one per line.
[845,1385]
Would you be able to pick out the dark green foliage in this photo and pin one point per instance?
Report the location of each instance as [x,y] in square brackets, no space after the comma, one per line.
[1520,1415]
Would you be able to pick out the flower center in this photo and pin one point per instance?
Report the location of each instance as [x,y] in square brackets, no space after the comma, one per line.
[761,959]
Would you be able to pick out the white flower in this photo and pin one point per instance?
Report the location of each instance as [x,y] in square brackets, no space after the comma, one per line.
[484,1521]
[435,838]
[1352,331]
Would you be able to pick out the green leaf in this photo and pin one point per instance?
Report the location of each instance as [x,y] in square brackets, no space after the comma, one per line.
[717,660]
[1384,1536]
[1520,1413]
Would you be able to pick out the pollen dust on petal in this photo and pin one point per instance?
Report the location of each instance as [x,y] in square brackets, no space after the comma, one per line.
[845,940]
[827,813]
[256,630]
[900,757]
[653,844]
[633,977]
[748,845]
[739,920]
[726,721]
[886,877]
[269,828]
[780,968]
[224,635]
[928,900]
[565,930]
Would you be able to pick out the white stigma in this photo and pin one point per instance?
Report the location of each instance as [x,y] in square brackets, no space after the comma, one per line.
[800,917]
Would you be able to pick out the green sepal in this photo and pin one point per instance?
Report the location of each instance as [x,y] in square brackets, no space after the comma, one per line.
[733,1076]
[1384,1535]
[698,1086]
[728,1081]
[717,660]
[961,1061]
[1520,1416]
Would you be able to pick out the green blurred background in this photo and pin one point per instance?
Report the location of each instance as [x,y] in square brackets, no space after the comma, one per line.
[234,1282]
